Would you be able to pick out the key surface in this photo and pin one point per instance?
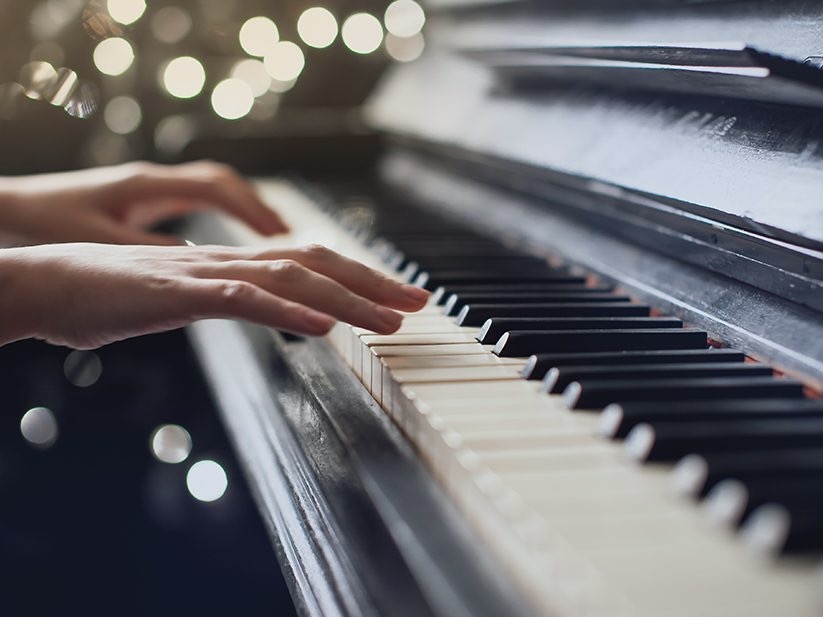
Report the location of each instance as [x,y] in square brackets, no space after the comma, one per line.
[570,283]
[432,282]
[494,328]
[773,529]
[594,394]
[618,419]
[696,474]
[525,343]
[539,364]
[672,441]
[477,314]
[732,500]
[454,305]
[557,379]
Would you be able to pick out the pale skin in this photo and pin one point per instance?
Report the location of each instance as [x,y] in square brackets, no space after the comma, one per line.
[85,295]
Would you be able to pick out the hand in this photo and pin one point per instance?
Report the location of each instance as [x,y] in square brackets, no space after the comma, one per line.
[87,295]
[116,204]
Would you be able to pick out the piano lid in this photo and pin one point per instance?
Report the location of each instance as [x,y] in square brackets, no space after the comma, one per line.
[638,102]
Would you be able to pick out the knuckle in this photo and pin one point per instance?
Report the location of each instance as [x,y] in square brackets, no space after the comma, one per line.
[287,270]
[218,170]
[141,167]
[318,252]
[233,293]
[140,171]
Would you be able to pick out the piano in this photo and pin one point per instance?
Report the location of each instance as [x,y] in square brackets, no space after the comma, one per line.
[611,405]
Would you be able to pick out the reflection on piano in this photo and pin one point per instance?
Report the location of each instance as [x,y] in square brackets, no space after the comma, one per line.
[612,403]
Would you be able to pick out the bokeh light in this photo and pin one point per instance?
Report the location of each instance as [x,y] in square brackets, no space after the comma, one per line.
[126,11]
[232,99]
[258,35]
[123,115]
[317,27]
[184,77]
[173,133]
[65,85]
[285,61]
[253,72]
[83,102]
[113,56]
[170,443]
[37,78]
[207,480]
[82,368]
[39,427]
[11,99]
[171,24]
[405,49]
[404,18]
[362,33]
[279,87]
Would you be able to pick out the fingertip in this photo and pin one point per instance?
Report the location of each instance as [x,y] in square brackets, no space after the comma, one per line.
[272,226]
[415,297]
[319,324]
[389,321]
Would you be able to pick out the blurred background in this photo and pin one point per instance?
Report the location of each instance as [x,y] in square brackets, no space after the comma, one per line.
[119,493]
[263,84]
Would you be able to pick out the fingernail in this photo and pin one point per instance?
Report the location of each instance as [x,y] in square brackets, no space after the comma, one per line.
[388,318]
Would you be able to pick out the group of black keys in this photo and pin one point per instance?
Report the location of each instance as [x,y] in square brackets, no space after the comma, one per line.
[729,421]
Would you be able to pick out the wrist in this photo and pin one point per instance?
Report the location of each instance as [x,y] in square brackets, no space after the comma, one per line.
[10,205]
[15,312]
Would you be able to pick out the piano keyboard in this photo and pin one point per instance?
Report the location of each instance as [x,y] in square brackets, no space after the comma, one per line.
[499,383]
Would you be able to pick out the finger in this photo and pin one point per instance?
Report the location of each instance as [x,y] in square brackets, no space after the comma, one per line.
[290,280]
[212,184]
[355,276]
[233,299]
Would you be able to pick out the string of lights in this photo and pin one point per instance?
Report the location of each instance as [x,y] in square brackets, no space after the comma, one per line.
[234,68]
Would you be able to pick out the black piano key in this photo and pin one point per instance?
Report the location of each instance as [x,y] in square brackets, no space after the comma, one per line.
[498,263]
[732,500]
[433,281]
[773,529]
[400,257]
[597,394]
[674,440]
[498,268]
[570,283]
[477,314]
[558,378]
[526,343]
[540,364]
[454,305]
[618,419]
[496,327]
[696,474]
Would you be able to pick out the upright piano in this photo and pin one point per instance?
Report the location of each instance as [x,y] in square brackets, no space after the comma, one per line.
[611,405]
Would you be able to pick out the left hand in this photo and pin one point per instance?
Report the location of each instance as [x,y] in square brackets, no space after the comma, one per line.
[116,205]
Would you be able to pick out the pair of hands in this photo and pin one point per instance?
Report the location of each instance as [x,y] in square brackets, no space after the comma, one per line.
[87,295]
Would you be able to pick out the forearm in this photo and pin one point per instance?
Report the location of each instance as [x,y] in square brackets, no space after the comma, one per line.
[10,231]
[14,310]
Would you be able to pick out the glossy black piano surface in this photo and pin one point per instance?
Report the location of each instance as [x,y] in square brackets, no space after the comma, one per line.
[545,161]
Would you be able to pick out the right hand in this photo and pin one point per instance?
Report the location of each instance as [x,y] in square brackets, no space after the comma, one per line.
[88,295]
